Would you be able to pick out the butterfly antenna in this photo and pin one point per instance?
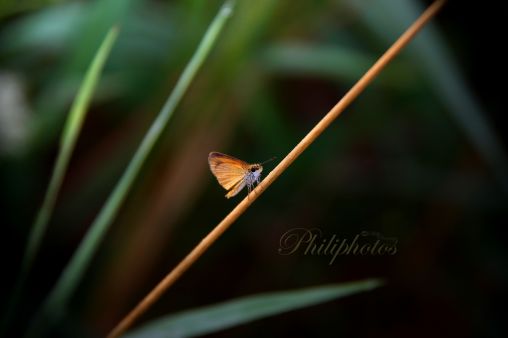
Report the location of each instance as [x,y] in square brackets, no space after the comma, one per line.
[273,158]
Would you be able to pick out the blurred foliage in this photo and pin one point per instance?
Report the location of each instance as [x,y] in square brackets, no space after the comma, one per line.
[235,312]
[405,160]
[11,7]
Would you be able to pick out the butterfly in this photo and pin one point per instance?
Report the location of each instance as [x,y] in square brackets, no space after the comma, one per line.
[234,174]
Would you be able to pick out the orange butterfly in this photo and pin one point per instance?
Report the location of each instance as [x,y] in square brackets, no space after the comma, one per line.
[234,174]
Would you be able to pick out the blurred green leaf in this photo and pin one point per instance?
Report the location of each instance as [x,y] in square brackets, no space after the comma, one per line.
[68,35]
[331,62]
[72,274]
[46,29]
[69,137]
[387,19]
[244,310]
[327,61]
[68,140]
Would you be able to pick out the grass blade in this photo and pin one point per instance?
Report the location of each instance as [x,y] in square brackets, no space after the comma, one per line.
[70,277]
[226,315]
[68,139]
[69,136]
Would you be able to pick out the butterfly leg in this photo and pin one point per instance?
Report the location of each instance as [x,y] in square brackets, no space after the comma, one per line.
[249,189]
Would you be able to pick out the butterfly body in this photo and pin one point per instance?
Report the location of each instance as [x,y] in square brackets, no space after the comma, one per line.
[234,174]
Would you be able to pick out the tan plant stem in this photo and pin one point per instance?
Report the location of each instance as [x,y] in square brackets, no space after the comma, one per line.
[209,239]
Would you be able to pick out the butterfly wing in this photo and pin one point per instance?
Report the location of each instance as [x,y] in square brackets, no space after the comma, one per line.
[236,188]
[229,171]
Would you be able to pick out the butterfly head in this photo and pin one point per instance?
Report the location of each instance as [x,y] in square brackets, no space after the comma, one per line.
[256,169]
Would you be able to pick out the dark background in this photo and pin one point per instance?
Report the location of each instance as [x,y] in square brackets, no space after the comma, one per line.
[399,161]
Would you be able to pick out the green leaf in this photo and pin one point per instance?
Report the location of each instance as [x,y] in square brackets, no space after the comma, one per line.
[330,62]
[243,310]
[69,136]
[55,304]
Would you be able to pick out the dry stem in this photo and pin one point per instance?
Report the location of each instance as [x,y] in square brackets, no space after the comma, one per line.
[209,239]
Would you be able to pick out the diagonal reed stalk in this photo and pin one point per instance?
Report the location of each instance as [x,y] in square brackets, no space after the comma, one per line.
[70,133]
[321,126]
[57,300]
